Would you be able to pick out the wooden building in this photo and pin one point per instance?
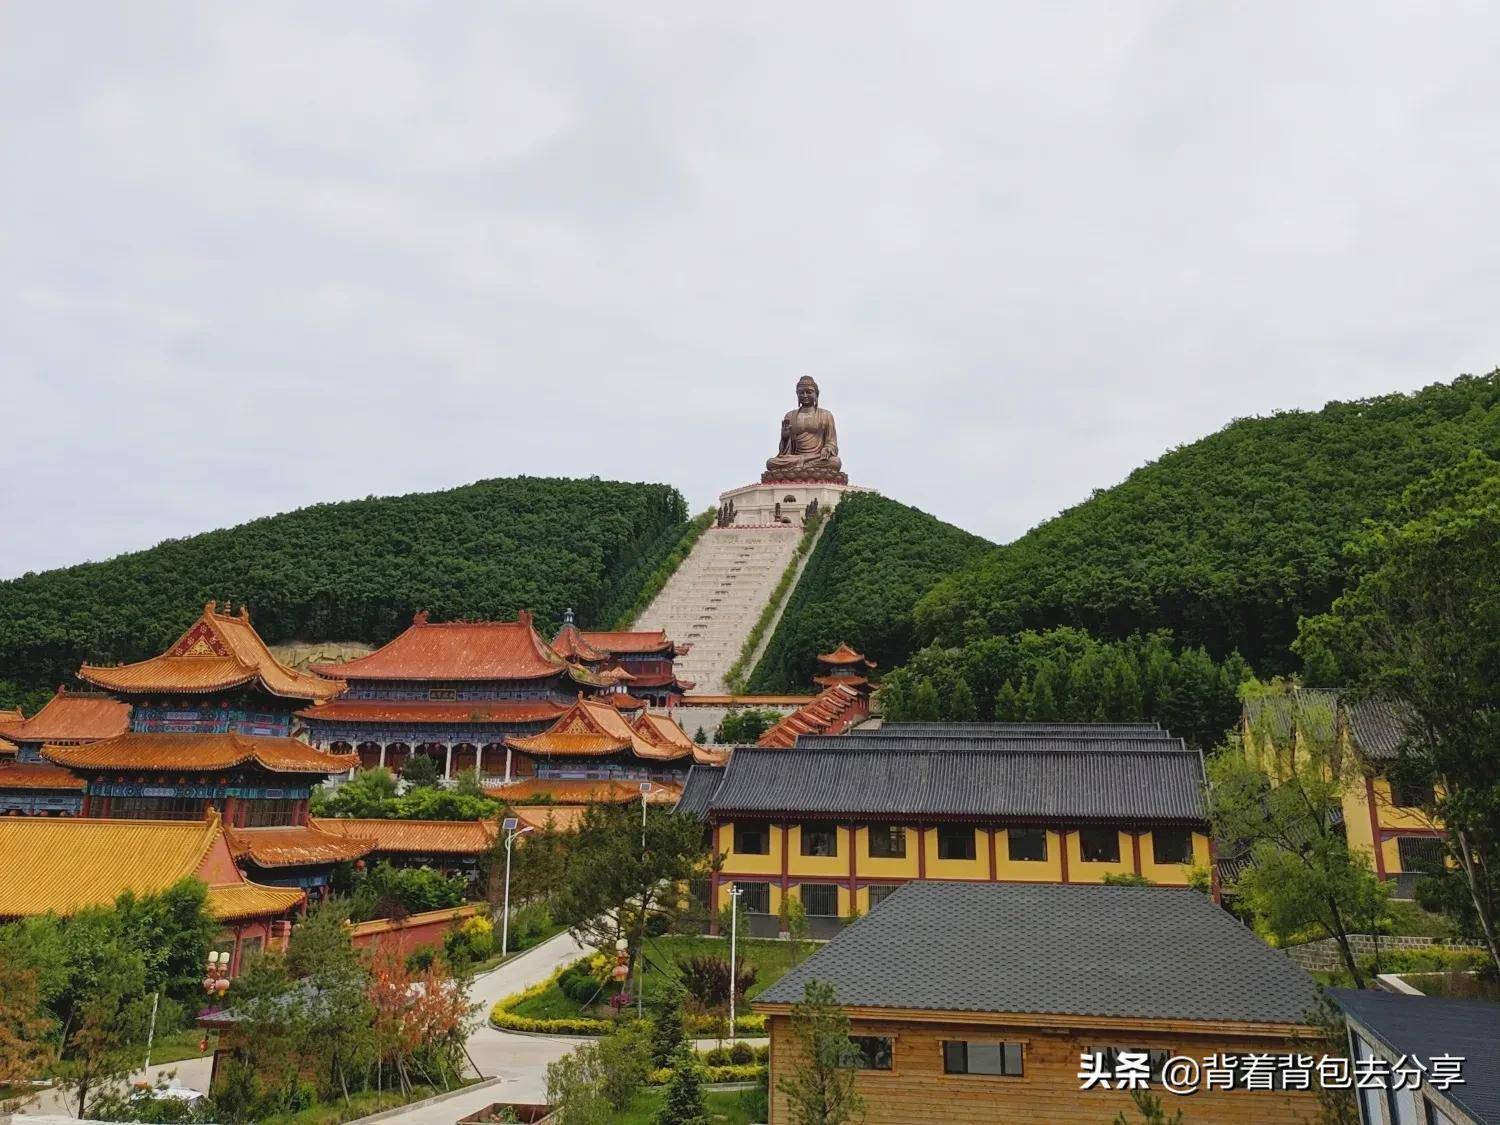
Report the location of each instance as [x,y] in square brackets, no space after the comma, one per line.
[832,711]
[211,723]
[64,866]
[454,847]
[840,822]
[451,690]
[975,1002]
[32,786]
[648,657]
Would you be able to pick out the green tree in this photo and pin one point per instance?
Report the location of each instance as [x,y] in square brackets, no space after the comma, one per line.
[820,1086]
[106,1032]
[369,795]
[1149,1106]
[685,1103]
[621,874]
[625,1062]
[420,771]
[961,702]
[575,1088]
[744,727]
[339,1036]
[924,706]
[26,1030]
[1420,628]
[1303,876]
[666,1025]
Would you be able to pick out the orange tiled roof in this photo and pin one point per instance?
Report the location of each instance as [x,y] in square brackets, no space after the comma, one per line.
[690,701]
[624,701]
[416,837]
[844,655]
[570,643]
[9,720]
[219,651]
[564,818]
[37,775]
[295,845]
[841,678]
[71,716]
[168,752]
[61,865]
[7,747]
[594,729]
[457,650]
[707,756]
[830,713]
[573,792]
[236,902]
[663,730]
[401,711]
[643,641]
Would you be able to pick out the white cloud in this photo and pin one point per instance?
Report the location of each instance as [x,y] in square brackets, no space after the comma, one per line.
[254,258]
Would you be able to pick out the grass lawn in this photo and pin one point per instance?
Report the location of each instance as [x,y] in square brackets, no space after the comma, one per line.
[361,1104]
[496,961]
[723,1106]
[1410,920]
[181,1045]
[770,957]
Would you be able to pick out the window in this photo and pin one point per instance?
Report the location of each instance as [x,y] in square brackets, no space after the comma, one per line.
[752,839]
[1411,794]
[1099,845]
[819,838]
[955,842]
[887,841]
[871,1052]
[1171,845]
[1423,854]
[970,1057]
[263,813]
[880,893]
[1027,844]
[820,900]
[754,897]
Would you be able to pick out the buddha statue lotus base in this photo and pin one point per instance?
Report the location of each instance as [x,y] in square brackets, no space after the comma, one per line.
[804,476]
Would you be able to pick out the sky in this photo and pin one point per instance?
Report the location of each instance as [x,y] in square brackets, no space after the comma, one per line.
[258,256]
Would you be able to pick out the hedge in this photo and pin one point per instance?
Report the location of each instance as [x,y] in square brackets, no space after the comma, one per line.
[746,1072]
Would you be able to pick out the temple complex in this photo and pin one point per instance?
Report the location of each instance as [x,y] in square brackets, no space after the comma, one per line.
[32,786]
[844,666]
[211,732]
[594,752]
[451,690]
[648,657]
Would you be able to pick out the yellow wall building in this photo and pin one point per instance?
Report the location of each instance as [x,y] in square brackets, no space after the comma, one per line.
[839,829]
[1384,820]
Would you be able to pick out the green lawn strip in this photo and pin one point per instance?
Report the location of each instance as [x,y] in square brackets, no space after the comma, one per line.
[181,1045]
[361,1104]
[724,1106]
[496,961]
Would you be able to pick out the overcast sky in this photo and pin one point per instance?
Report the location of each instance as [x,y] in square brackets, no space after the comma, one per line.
[257,256]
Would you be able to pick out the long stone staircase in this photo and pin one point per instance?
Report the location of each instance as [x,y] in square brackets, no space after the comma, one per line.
[715,597]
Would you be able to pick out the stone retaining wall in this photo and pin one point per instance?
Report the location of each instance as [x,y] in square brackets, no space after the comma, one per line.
[1323,955]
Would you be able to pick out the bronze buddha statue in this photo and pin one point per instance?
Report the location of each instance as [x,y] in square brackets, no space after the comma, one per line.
[809,442]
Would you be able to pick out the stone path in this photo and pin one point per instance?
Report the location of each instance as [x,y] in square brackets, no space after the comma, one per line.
[717,594]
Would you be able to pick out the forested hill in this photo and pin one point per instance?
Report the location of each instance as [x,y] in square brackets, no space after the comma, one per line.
[351,571]
[1226,541]
[875,559]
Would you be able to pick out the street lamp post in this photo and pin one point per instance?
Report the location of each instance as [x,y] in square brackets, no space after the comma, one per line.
[510,826]
[734,925]
[640,953]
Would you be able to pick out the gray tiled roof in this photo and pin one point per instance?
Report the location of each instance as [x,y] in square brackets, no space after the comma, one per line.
[1424,1026]
[942,730]
[699,787]
[1378,727]
[1148,952]
[860,740]
[1144,783]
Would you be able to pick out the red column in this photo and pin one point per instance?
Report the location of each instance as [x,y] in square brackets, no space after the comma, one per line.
[994,867]
[1062,840]
[1135,849]
[921,853]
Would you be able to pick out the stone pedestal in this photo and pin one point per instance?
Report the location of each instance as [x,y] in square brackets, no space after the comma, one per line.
[757,504]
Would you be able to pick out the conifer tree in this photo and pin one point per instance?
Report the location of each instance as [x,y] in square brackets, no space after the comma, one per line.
[685,1102]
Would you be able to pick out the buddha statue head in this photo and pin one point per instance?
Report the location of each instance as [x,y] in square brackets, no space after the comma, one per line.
[807,391]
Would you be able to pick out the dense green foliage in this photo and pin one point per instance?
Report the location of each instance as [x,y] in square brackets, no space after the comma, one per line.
[351,571]
[371,795]
[745,726]
[1227,541]
[875,559]
[394,892]
[1066,675]
[735,677]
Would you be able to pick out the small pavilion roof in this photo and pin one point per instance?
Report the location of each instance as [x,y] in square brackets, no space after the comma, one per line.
[624,701]
[10,718]
[844,654]
[71,716]
[295,845]
[592,728]
[37,775]
[571,645]
[448,714]
[568,791]
[639,642]
[564,818]
[219,651]
[457,650]
[61,865]
[177,752]
[414,837]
